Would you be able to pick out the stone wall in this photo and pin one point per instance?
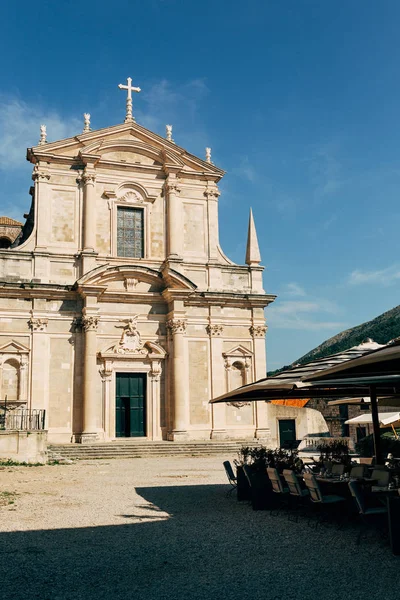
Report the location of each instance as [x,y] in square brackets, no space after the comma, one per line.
[24,446]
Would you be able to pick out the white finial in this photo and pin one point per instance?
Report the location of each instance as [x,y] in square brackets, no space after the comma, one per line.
[86,127]
[253,256]
[168,130]
[129,117]
[43,135]
[208,155]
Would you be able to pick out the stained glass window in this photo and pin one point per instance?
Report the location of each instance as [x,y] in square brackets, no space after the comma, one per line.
[130,232]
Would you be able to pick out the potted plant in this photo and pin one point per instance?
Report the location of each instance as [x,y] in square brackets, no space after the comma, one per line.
[243,487]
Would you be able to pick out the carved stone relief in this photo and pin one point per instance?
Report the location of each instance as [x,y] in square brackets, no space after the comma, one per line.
[131,341]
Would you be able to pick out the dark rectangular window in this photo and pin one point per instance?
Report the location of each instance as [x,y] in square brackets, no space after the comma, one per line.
[130,232]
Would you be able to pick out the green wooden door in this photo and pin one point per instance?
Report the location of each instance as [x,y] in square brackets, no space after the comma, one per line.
[130,405]
[287,432]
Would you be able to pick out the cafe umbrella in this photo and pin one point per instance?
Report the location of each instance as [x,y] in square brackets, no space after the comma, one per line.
[369,370]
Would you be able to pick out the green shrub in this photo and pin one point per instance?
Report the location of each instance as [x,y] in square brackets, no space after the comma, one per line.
[365,447]
[260,458]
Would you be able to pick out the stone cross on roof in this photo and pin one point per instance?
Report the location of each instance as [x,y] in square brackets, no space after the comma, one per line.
[129,117]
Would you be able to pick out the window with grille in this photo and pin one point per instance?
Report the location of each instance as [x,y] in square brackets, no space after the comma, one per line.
[130,232]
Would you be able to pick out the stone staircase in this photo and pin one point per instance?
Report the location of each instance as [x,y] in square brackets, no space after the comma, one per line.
[135,449]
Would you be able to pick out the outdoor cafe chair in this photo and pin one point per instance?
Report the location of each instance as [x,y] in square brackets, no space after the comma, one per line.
[381,479]
[323,501]
[337,469]
[230,475]
[297,493]
[366,513]
[358,471]
[315,492]
[277,486]
[294,485]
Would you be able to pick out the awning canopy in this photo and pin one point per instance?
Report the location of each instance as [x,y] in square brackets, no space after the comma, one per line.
[295,383]
[363,400]
[373,372]
[385,419]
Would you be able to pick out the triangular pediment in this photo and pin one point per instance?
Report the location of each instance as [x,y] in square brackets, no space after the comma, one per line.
[13,348]
[238,351]
[129,144]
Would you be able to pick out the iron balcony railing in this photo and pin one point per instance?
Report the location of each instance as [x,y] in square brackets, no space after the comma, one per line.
[22,419]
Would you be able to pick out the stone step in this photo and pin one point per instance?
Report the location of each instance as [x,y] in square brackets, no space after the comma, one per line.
[142,449]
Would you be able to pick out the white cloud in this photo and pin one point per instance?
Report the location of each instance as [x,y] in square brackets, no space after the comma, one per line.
[293,289]
[245,170]
[303,314]
[386,276]
[20,129]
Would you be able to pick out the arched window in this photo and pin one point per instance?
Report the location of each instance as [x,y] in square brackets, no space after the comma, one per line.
[10,383]
[237,376]
[5,242]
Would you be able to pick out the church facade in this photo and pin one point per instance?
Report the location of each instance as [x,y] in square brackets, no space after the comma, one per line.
[120,315]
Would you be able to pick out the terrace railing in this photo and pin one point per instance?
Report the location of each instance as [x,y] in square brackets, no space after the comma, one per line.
[22,419]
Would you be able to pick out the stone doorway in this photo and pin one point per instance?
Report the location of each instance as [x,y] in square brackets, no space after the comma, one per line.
[130,405]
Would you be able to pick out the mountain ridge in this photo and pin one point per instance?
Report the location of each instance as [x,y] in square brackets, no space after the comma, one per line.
[381,329]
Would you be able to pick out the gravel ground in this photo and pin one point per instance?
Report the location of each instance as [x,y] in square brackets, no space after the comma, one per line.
[164,528]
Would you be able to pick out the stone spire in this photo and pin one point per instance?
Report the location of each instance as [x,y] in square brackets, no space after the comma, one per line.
[253,256]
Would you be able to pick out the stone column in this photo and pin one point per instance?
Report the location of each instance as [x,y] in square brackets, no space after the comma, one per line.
[89,211]
[175,219]
[177,328]
[91,403]
[257,332]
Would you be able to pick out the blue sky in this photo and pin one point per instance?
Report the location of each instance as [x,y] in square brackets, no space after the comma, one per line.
[299,100]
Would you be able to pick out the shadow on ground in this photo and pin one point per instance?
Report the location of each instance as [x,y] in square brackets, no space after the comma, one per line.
[209,546]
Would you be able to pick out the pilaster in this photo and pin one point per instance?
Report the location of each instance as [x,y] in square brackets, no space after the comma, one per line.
[40,359]
[175,218]
[212,194]
[257,332]
[177,329]
[89,210]
[218,416]
[41,177]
